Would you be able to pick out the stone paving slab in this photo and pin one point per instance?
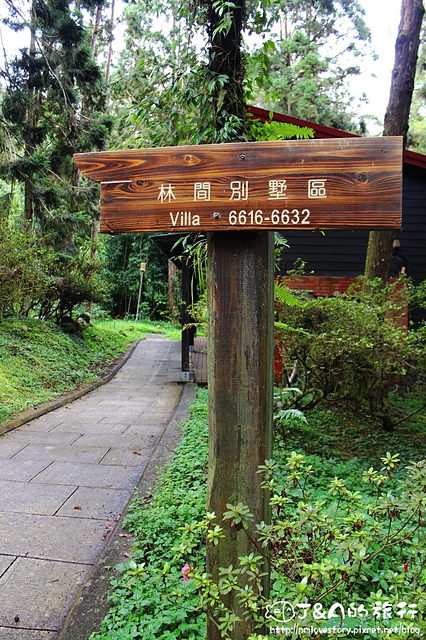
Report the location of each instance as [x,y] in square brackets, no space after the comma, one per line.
[152,428]
[87,502]
[10,448]
[51,537]
[62,453]
[118,457]
[129,442]
[65,479]
[43,587]
[25,497]
[116,426]
[5,562]
[41,437]
[43,423]
[7,633]
[24,470]
[88,475]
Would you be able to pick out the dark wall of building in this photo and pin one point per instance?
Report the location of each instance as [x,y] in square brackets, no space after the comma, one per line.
[342,253]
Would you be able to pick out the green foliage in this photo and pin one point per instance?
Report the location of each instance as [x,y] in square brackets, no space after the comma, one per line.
[122,257]
[77,280]
[279,131]
[53,106]
[171,88]
[348,347]
[158,80]
[34,280]
[339,435]
[341,532]
[24,266]
[362,549]
[292,70]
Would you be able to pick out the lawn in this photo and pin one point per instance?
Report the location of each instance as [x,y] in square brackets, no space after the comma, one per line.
[39,361]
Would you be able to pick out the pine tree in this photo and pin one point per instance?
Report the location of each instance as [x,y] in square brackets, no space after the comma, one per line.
[53,106]
[297,69]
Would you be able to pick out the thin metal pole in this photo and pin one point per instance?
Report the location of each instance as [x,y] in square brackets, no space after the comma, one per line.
[141,271]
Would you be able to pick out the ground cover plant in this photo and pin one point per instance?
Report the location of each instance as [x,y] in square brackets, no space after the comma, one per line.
[151,599]
[39,361]
[348,529]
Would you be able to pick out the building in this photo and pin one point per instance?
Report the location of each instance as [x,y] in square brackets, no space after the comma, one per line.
[341,254]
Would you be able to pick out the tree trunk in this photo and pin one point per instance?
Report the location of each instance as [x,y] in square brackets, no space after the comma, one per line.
[225,59]
[379,252]
[110,42]
[32,123]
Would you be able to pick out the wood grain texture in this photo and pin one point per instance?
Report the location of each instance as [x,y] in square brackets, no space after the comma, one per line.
[357,184]
[240,374]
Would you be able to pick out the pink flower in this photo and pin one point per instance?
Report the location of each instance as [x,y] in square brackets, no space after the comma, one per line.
[186,569]
[405,566]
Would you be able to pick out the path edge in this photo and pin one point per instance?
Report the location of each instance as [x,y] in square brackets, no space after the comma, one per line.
[70,396]
[90,604]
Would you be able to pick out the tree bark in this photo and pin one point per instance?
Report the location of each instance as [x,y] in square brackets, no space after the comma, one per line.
[225,59]
[379,251]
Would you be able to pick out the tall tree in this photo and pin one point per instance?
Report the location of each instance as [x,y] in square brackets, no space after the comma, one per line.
[225,23]
[53,106]
[379,251]
[311,49]
[155,86]
[416,138]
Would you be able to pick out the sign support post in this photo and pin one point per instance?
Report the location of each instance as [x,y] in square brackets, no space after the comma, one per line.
[240,371]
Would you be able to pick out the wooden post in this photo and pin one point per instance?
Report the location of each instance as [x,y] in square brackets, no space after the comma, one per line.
[240,370]
[189,332]
[239,193]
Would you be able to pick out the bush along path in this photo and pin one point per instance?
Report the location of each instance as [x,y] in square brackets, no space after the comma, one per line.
[347,548]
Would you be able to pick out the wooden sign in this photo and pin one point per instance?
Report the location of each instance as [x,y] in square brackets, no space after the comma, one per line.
[345,183]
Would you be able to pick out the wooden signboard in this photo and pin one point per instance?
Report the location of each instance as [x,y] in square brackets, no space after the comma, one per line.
[255,187]
[347,183]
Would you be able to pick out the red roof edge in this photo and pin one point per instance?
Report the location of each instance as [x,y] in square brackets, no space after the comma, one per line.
[321,131]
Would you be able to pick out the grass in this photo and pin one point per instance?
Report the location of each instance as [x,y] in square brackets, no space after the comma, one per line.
[338,435]
[39,362]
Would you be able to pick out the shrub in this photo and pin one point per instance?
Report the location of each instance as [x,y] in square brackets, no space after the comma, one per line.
[76,280]
[350,347]
[24,265]
[340,557]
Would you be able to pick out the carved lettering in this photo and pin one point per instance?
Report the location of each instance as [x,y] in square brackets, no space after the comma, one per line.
[184,219]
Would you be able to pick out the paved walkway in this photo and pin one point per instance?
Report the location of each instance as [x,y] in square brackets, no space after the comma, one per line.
[66,477]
